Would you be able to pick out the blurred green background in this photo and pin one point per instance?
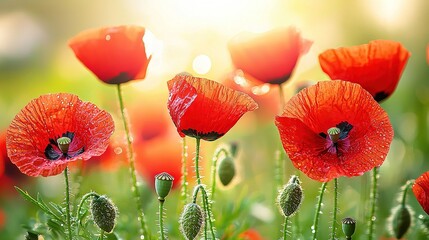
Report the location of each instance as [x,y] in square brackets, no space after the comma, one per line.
[35,60]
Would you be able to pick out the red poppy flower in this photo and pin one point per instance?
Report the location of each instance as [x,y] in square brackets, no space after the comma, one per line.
[250,234]
[421,191]
[269,57]
[114,54]
[10,175]
[38,135]
[205,109]
[376,66]
[334,129]
[162,154]
[265,95]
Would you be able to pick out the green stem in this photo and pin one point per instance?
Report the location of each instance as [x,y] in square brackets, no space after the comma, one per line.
[161,222]
[82,201]
[197,159]
[317,214]
[214,168]
[68,215]
[184,189]
[334,215]
[206,206]
[373,202]
[407,186]
[285,228]
[134,187]
[279,160]
[102,234]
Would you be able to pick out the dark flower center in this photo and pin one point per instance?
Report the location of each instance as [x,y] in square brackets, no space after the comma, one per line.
[337,141]
[210,136]
[380,96]
[59,147]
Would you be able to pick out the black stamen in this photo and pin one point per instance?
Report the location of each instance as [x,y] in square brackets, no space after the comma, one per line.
[50,153]
[345,128]
[210,136]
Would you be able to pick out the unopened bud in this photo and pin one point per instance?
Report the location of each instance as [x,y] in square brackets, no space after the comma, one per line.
[104,213]
[290,197]
[191,221]
[226,170]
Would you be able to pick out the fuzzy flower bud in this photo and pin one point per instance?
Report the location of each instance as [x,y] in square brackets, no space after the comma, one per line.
[191,221]
[104,213]
[163,184]
[400,221]
[290,197]
[226,170]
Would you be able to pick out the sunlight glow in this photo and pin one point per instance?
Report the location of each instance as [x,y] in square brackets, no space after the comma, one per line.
[202,64]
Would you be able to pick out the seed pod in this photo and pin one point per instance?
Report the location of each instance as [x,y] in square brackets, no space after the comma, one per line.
[163,184]
[104,213]
[400,221]
[191,221]
[290,197]
[226,170]
[349,227]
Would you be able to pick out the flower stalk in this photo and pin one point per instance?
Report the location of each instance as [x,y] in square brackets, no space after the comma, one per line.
[314,228]
[134,186]
[373,201]
[216,155]
[184,187]
[334,215]
[68,214]
[206,206]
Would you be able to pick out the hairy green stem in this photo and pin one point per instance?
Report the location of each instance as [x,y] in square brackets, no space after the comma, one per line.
[206,205]
[68,214]
[101,234]
[317,214]
[334,214]
[82,201]
[184,187]
[216,155]
[134,187]
[161,221]
[407,186]
[285,228]
[373,201]
[197,159]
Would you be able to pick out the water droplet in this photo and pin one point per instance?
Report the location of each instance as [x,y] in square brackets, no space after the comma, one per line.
[108,37]
[373,218]
[141,237]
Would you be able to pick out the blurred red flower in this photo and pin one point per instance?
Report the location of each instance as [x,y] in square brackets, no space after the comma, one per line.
[205,109]
[32,136]
[364,137]
[376,66]
[421,191]
[265,94]
[10,175]
[250,234]
[162,154]
[114,54]
[269,57]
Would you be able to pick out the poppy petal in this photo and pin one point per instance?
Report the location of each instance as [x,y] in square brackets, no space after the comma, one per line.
[47,118]
[361,64]
[421,191]
[114,54]
[316,109]
[205,109]
[269,57]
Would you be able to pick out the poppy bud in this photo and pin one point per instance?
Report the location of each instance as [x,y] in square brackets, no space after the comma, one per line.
[163,184]
[226,170]
[400,221]
[349,227]
[191,221]
[290,197]
[104,213]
